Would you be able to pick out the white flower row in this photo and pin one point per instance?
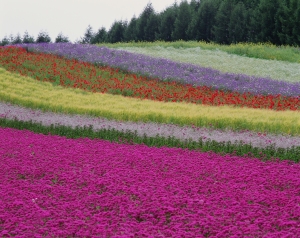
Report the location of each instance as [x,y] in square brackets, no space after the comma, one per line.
[225,62]
[259,140]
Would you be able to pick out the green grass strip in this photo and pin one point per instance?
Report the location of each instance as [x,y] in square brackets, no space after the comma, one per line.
[223,148]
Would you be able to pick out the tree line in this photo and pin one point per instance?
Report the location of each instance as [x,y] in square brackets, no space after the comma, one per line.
[220,21]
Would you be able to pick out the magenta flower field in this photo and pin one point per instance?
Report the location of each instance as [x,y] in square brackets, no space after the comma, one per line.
[58,187]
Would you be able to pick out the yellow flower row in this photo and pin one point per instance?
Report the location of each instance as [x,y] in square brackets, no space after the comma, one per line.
[28,92]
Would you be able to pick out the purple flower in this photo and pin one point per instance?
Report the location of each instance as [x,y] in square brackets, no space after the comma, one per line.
[168,70]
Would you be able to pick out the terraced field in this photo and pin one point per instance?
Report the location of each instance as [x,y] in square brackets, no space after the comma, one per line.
[148,141]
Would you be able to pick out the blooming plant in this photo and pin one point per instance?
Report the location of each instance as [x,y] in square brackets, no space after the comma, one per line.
[71,73]
[168,70]
[226,63]
[150,129]
[28,92]
[98,142]
[53,186]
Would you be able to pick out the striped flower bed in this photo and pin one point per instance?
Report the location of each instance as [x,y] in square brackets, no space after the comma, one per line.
[82,75]
[169,70]
[80,161]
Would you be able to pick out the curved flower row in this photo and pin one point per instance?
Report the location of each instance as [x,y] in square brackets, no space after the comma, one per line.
[169,70]
[28,92]
[223,61]
[92,188]
[71,73]
[256,139]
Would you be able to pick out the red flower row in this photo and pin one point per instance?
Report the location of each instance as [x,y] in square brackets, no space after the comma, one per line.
[72,73]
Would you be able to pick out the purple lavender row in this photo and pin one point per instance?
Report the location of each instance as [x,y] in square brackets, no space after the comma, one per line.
[165,69]
[258,140]
[95,188]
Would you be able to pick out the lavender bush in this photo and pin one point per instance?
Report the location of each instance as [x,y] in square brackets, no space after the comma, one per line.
[169,70]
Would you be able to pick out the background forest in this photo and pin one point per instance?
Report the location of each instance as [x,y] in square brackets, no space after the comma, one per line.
[220,21]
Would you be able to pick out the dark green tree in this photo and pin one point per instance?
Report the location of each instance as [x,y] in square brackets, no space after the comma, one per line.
[116,32]
[296,27]
[131,30]
[202,23]
[166,26]
[43,37]
[17,39]
[221,21]
[238,24]
[27,38]
[267,27]
[5,41]
[221,27]
[182,22]
[100,36]
[143,21]
[285,20]
[194,6]
[11,38]
[253,25]
[208,15]
[61,38]
[193,25]
[151,31]
[88,35]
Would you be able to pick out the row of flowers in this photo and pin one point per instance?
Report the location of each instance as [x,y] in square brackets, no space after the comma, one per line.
[168,70]
[224,62]
[66,187]
[31,93]
[54,185]
[71,73]
[149,129]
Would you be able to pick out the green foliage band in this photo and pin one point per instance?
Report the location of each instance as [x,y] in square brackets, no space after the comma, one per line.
[238,149]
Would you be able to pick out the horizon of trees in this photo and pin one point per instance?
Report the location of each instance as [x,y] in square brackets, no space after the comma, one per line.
[219,21]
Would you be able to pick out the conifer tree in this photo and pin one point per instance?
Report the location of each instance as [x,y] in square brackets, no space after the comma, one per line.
[27,38]
[100,36]
[201,26]
[166,26]
[266,12]
[238,24]
[296,27]
[194,6]
[182,22]
[285,20]
[131,30]
[221,28]
[151,28]
[43,37]
[143,21]
[88,35]
[5,41]
[17,39]
[61,38]
[116,32]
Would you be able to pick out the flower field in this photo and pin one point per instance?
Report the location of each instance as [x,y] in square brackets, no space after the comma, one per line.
[72,73]
[102,142]
[89,187]
[225,62]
